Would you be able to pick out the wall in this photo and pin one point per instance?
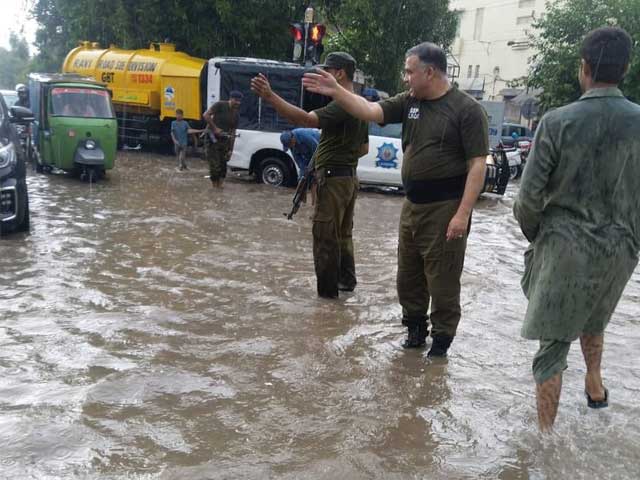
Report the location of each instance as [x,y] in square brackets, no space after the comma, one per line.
[491,47]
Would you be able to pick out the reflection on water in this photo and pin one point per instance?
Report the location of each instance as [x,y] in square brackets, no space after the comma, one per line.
[153,328]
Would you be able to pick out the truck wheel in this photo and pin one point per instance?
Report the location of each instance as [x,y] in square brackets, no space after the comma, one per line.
[274,172]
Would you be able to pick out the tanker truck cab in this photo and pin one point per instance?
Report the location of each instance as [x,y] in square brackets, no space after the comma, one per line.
[75,128]
[257,149]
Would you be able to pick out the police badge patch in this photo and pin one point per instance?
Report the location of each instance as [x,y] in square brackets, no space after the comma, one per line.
[387,156]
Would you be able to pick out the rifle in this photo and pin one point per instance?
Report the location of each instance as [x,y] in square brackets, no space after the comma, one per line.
[301,191]
[223,135]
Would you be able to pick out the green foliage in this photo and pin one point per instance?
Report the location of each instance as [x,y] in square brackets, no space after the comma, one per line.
[15,62]
[558,38]
[203,28]
[379,32]
[376,32]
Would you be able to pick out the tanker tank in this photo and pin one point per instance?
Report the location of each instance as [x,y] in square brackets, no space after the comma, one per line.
[147,86]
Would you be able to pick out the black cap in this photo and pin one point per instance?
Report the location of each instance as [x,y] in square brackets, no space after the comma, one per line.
[236,94]
[339,61]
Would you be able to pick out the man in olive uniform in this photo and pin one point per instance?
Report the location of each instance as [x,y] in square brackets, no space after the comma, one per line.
[579,207]
[222,119]
[343,141]
[445,141]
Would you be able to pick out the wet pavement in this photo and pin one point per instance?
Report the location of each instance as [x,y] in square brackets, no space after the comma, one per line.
[153,328]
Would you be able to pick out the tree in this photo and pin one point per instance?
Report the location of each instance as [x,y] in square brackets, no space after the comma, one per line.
[376,32]
[203,28]
[557,39]
[379,32]
[15,62]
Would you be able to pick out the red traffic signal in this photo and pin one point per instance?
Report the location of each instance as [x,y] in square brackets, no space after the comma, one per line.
[297,32]
[317,33]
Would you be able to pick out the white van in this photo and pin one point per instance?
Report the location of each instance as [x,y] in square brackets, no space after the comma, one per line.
[258,149]
[261,152]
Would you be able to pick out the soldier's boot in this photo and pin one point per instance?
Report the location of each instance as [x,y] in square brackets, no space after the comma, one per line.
[417,332]
[343,287]
[440,345]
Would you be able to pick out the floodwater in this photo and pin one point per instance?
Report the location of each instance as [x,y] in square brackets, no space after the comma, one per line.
[153,328]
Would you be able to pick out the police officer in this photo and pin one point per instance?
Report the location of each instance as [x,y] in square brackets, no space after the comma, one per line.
[222,120]
[303,143]
[344,139]
[445,140]
[23,96]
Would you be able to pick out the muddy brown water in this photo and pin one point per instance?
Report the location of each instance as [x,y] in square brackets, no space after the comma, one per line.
[151,328]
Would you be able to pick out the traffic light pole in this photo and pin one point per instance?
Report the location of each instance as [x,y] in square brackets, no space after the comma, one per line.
[306,40]
[308,20]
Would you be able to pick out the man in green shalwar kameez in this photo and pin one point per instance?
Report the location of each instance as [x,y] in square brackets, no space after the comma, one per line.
[579,206]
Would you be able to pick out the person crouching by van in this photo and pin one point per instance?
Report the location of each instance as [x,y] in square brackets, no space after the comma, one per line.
[222,121]
[303,143]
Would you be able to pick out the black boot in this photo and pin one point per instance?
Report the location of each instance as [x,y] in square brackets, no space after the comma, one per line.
[440,345]
[417,334]
[343,287]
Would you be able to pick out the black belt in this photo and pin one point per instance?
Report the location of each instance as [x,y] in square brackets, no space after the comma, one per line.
[430,191]
[339,171]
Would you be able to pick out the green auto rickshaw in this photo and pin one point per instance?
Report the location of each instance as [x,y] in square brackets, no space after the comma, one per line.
[75,128]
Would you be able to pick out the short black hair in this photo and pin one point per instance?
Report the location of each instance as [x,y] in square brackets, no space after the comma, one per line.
[179,111]
[607,51]
[430,54]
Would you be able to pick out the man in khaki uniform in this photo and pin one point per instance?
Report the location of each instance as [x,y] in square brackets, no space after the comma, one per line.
[222,120]
[445,142]
[343,141]
[579,206]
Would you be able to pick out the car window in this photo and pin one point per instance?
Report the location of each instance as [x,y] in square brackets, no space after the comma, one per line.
[10,99]
[80,102]
[393,130]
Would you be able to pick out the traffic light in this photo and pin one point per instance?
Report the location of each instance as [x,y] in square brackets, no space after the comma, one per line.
[314,43]
[297,32]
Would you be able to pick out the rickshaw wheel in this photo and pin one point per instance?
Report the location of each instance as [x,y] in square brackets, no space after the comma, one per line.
[90,174]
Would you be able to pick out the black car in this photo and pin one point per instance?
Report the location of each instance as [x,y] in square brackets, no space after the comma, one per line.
[14,199]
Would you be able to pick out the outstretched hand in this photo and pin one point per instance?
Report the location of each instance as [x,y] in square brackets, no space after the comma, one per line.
[261,87]
[321,82]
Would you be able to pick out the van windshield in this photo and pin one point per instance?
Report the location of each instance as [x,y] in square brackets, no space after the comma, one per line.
[80,102]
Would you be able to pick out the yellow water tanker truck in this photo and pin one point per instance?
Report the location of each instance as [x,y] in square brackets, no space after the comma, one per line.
[147,86]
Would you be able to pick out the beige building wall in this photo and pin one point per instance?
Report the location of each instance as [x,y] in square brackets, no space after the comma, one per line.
[491,46]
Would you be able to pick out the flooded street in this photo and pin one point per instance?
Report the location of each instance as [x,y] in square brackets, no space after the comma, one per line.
[154,328]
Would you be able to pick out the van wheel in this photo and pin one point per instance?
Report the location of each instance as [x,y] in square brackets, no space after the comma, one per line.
[274,172]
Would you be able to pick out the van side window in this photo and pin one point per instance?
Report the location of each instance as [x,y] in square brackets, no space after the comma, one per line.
[392,130]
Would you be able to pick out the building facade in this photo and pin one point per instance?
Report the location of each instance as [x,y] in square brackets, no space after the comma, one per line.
[492,49]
